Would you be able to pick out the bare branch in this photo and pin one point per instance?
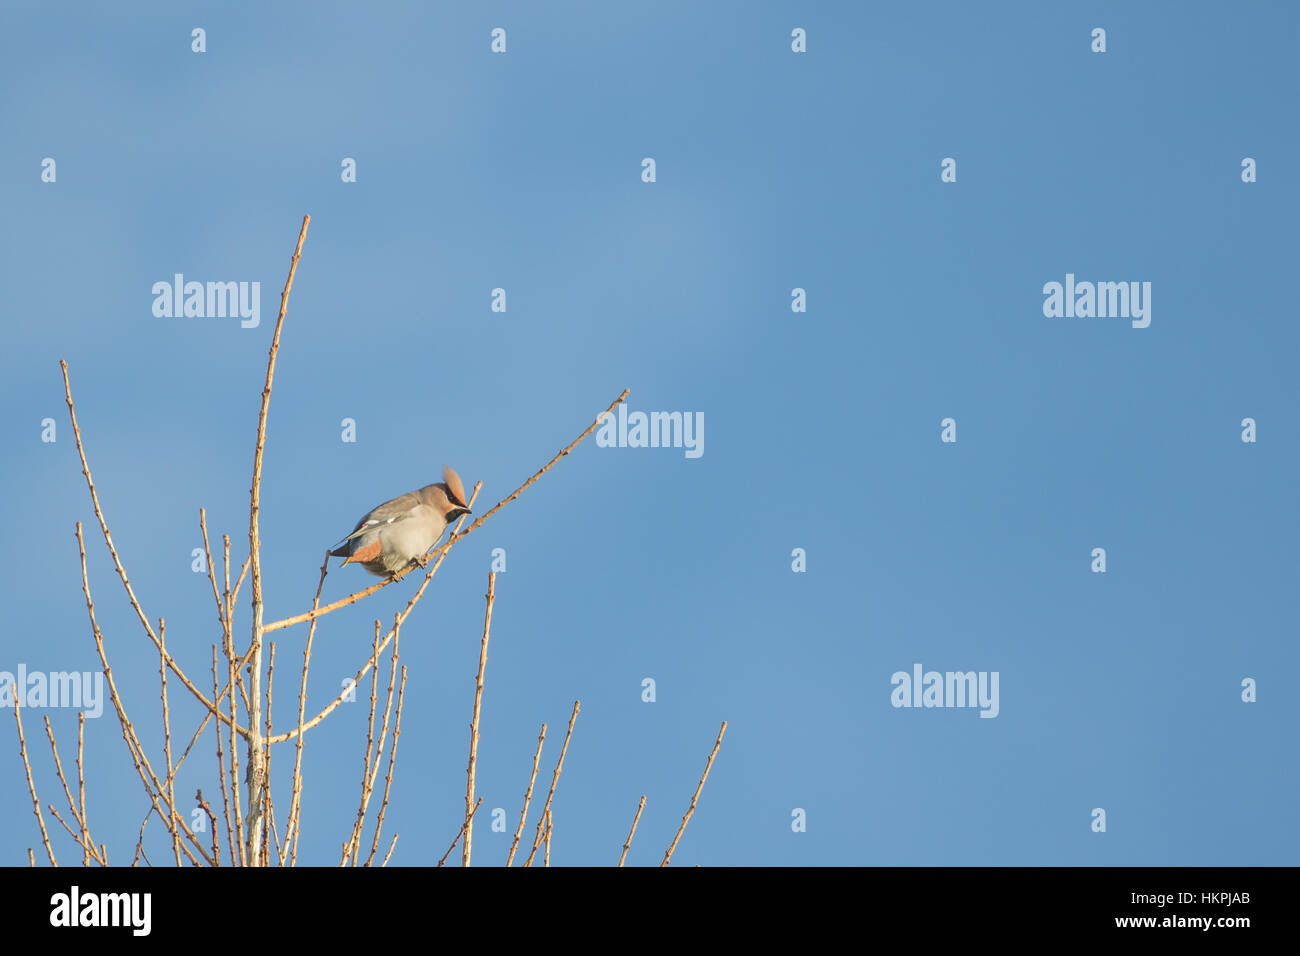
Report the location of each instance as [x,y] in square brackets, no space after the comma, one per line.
[632,832]
[388,777]
[691,810]
[212,822]
[528,796]
[231,838]
[117,563]
[31,784]
[462,830]
[81,786]
[167,741]
[555,778]
[152,786]
[295,802]
[83,839]
[473,727]
[257,745]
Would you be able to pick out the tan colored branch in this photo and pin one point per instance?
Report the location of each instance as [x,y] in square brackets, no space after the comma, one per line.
[295,801]
[31,784]
[555,778]
[232,676]
[231,839]
[257,745]
[391,847]
[388,777]
[365,769]
[268,806]
[212,822]
[461,832]
[353,847]
[528,796]
[83,839]
[167,742]
[81,785]
[473,727]
[153,787]
[228,625]
[632,832]
[691,810]
[117,563]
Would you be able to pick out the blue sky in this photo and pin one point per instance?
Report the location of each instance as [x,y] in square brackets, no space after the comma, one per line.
[774,171]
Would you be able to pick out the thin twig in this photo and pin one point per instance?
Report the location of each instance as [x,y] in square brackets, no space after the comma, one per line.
[473,727]
[295,802]
[230,623]
[81,784]
[139,843]
[365,769]
[546,839]
[528,796]
[167,741]
[368,780]
[31,784]
[212,577]
[221,766]
[234,595]
[212,822]
[383,739]
[632,832]
[257,746]
[83,839]
[392,846]
[555,778]
[691,809]
[392,765]
[212,571]
[117,563]
[462,830]
[76,837]
[218,696]
[232,677]
[268,810]
[153,787]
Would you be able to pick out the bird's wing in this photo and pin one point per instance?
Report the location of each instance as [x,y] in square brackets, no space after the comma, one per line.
[389,512]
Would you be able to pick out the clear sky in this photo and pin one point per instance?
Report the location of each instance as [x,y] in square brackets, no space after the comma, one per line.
[774,170]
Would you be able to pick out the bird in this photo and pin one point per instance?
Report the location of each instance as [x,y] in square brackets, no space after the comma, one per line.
[391,536]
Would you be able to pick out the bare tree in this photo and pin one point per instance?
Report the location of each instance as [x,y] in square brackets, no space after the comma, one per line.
[252,836]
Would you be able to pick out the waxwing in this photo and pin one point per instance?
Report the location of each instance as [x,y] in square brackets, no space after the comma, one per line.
[403,530]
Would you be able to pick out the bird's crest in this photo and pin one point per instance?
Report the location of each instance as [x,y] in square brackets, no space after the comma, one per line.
[454,486]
